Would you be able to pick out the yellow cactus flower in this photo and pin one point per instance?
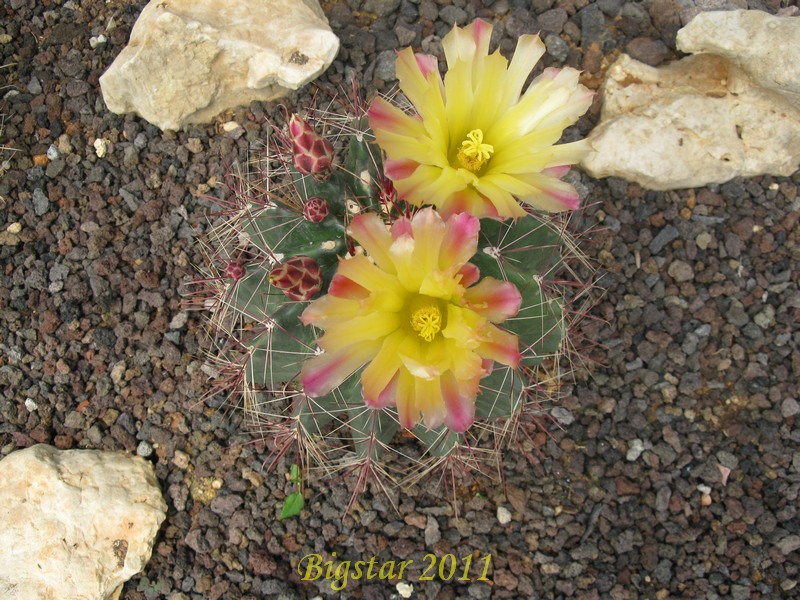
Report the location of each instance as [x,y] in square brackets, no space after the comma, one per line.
[412,310]
[477,143]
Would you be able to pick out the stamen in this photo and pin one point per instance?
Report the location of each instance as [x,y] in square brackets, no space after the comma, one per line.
[473,153]
[426,321]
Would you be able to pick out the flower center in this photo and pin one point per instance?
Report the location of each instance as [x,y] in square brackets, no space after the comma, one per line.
[473,153]
[426,321]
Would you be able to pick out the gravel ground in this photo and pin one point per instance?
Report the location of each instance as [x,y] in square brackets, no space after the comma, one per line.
[675,471]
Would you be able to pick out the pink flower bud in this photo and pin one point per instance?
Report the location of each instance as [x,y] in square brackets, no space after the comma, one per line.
[316,209]
[234,270]
[311,154]
[299,277]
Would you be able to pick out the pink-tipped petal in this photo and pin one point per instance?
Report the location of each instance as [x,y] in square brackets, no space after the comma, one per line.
[400,169]
[401,227]
[561,200]
[429,230]
[427,64]
[460,408]
[380,372]
[469,274]
[482,34]
[387,397]
[407,411]
[369,230]
[460,240]
[428,398]
[342,287]
[329,308]
[500,346]
[496,300]
[323,373]
[385,117]
[557,172]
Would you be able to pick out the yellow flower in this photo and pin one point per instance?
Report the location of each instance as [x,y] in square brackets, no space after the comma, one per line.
[477,143]
[413,311]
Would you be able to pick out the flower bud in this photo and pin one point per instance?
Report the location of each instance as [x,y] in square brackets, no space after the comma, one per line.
[311,153]
[234,270]
[316,209]
[299,277]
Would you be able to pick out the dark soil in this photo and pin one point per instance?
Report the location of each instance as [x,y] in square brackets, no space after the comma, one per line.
[673,470]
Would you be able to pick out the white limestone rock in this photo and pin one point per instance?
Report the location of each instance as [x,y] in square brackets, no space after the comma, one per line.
[75,523]
[697,121]
[765,46]
[187,61]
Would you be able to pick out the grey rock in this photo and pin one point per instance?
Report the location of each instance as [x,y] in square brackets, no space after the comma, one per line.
[680,271]
[432,532]
[562,415]
[556,47]
[41,203]
[553,20]
[452,15]
[381,7]
[789,407]
[385,65]
[593,25]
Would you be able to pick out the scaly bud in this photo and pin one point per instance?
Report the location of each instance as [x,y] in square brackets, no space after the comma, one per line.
[234,270]
[299,277]
[311,154]
[316,209]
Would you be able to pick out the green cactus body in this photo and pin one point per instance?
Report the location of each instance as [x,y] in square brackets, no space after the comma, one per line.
[523,252]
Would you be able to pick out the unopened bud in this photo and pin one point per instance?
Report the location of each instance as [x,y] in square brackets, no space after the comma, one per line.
[311,153]
[234,270]
[299,277]
[316,209]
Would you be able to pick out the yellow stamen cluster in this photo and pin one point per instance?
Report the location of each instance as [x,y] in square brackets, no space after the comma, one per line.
[426,321]
[473,153]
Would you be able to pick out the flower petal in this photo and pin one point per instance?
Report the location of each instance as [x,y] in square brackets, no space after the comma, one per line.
[460,408]
[460,241]
[386,117]
[500,346]
[424,92]
[407,411]
[329,308]
[465,43]
[369,230]
[496,300]
[469,274]
[365,273]
[540,191]
[429,229]
[372,326]
[501,198]
[429,401]
[322,373]
[380,372]
[400,169]
[343,287]
[529,50]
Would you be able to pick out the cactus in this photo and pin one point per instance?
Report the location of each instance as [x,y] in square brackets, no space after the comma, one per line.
[278,246]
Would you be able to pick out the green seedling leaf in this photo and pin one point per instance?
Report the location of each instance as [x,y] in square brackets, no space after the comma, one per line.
[294,475]
[292,505]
